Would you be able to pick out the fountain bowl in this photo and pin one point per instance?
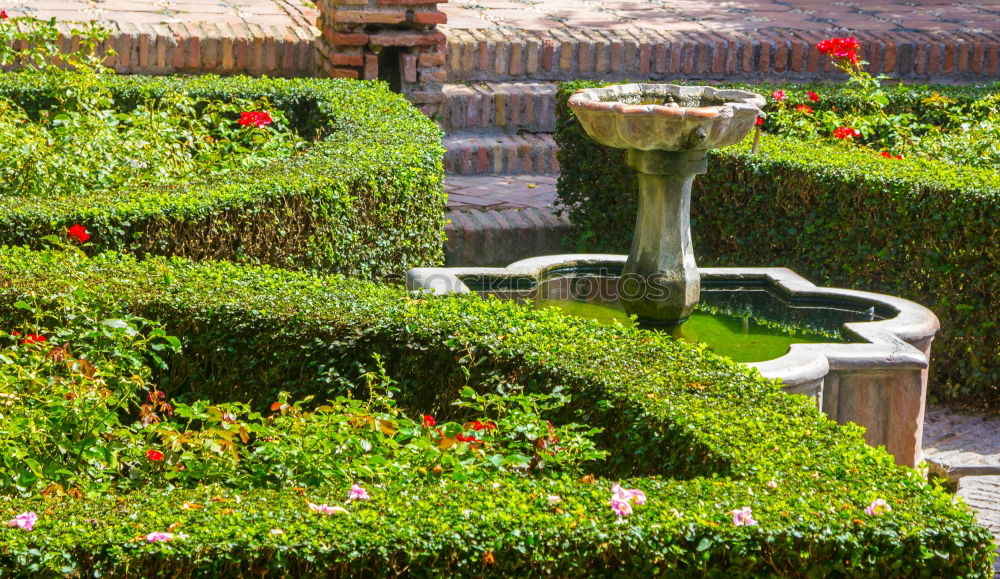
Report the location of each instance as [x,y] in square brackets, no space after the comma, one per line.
[666,117]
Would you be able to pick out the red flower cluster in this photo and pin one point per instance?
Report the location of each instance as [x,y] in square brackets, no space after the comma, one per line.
[472,439]
[477,426]
[804,109]
[813,96]
[845,133]
[154,455]
[889,155]
[840,48]
[429,421]
[30,338]
[3,15]
[778,95]
[78,233]
[255,119]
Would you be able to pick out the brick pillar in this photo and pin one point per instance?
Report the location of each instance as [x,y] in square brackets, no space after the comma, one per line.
[393,40]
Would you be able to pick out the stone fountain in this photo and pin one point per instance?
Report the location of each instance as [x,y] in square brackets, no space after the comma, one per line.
[870,368]
[667,130]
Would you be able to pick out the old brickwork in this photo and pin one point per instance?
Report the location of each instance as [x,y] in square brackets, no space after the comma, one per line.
[392,40]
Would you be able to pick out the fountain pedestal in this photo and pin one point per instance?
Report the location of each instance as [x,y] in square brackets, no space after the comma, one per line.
[660,282]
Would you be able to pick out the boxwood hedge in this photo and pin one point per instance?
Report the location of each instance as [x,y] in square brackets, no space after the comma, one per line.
[366,200]
[919,229]
[701,436]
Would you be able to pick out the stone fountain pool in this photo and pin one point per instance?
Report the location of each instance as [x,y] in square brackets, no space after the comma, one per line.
[862,356]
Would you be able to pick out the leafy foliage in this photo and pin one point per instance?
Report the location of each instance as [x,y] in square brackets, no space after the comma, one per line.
[699,435]
[83,144]
[839,214]
[366,199]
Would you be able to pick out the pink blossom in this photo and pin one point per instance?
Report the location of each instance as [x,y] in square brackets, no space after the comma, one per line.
[327,509]
[621,508]
[743,517]
[628,495]
[778,95]
[877,507]
[554,500]
[159,536]
[24,521]
[771,484]
[358,494]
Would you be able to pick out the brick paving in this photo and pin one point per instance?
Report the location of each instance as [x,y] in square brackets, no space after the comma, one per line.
[698,16]
[496,192]
[195,12]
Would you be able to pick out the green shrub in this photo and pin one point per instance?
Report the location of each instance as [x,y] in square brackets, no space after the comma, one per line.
[843,216]
[699,435]
[365,200]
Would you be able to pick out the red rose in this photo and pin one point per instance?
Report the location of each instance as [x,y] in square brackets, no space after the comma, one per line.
[845,133]
[154,455]
[255,119]
[3,15]
[760,121]
[840,48]
[429,421]
[78,233]
[813,96]
[804,109]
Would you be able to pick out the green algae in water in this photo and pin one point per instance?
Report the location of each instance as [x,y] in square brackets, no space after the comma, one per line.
[741,339]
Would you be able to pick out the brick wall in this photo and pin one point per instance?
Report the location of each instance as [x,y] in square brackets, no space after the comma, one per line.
[221,48]
[561,54]
[393,40]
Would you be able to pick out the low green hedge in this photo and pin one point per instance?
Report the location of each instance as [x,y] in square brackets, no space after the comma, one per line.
[366,200]
[700,435]
[919,229]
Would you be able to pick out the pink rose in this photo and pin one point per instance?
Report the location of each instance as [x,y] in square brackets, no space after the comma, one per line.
[358,494]
[743,517]
[24,521]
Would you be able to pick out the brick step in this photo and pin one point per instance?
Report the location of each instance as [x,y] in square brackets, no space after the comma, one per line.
[499,238]
[596,53]
[500,153]
[509,106]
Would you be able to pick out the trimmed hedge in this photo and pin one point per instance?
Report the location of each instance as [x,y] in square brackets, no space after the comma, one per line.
[366,200]
[699,434]
[919,229]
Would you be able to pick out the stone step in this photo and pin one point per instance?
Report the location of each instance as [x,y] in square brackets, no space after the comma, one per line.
[500,153]
[508,106]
